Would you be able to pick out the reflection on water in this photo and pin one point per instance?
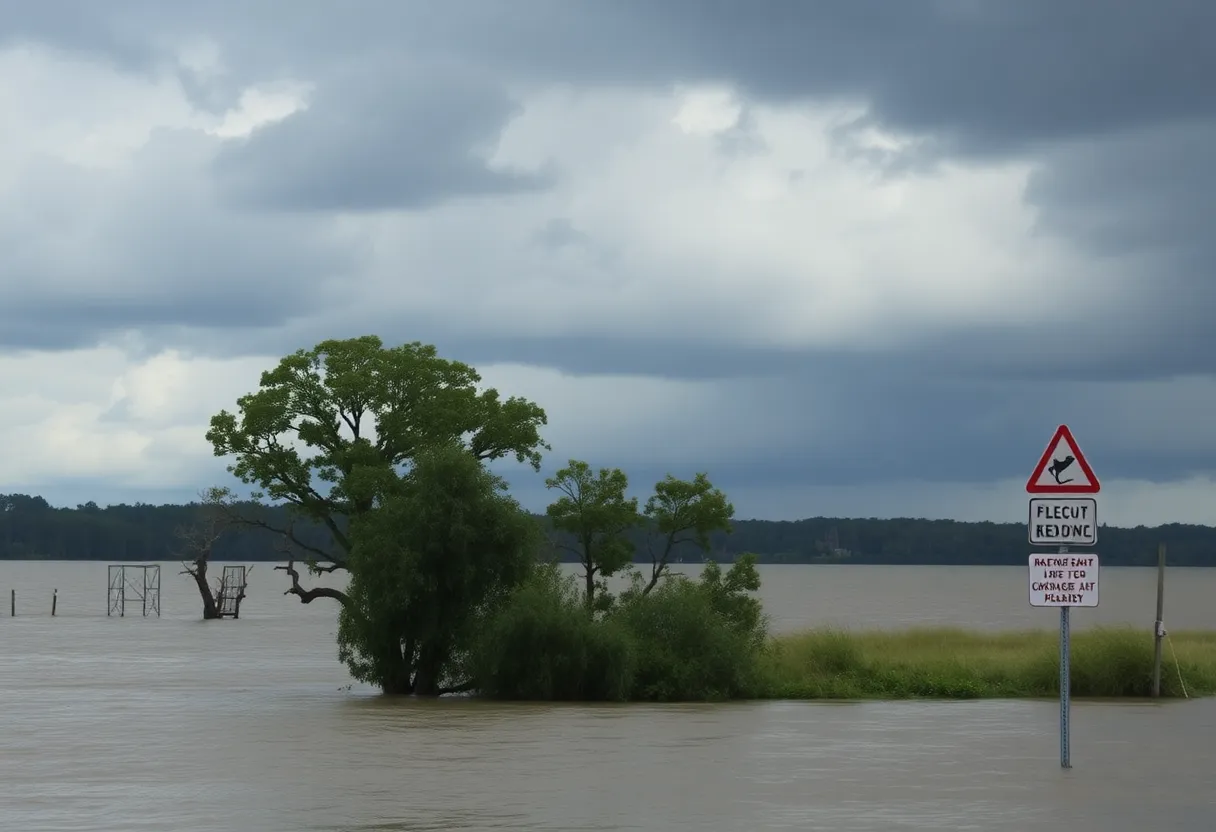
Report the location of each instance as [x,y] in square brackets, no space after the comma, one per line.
[136,724]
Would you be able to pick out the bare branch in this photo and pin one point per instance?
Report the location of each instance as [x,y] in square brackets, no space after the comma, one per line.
[306,596]
[198,538]
[335,562]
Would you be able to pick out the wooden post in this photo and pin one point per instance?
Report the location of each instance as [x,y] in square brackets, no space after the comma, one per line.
[54,602]
[1158,625]
[12,603]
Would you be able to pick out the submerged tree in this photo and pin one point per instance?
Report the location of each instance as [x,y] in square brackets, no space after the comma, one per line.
[198,539]
[330,428]
[446,546]
[594,511]
[682,512]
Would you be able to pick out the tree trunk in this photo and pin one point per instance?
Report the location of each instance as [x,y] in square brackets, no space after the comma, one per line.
[397,670]
[430,665]
[589,576]
[397,684]
[425,684]
[211,610]
[656,572]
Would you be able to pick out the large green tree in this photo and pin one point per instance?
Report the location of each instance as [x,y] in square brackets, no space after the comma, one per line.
[445,547]
[331,428]
[594,511]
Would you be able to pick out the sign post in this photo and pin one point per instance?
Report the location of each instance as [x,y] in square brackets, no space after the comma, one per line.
[1065,688]
[1063,580]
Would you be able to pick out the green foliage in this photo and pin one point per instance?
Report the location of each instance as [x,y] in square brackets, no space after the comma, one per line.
[593,509]
[331,427]
[681,512]
[446,547]
[696,640]
[687,640]
[956,664]
[730,595]
[543,646]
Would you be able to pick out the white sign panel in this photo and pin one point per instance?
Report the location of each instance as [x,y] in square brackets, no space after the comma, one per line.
[1063,580]
[1063,521]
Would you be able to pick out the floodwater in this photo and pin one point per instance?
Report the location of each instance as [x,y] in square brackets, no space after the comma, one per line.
[131,724]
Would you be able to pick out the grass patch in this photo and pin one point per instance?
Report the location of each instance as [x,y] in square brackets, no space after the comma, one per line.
[962,664]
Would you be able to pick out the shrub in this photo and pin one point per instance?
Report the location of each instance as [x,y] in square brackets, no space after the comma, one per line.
[696,640]
[684,641]
[541,645]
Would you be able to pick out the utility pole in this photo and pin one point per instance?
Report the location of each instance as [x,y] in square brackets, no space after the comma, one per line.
[1158,624]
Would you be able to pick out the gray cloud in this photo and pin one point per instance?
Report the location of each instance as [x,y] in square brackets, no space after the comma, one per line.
[90,253]
[987,74]
[387,135]
[559,232]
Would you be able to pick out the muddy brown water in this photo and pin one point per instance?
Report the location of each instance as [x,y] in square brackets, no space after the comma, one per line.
[129,724]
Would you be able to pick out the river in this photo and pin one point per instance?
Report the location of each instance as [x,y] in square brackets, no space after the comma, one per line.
[127,724]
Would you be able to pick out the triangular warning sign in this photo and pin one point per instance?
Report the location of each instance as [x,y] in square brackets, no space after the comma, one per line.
[1063,469]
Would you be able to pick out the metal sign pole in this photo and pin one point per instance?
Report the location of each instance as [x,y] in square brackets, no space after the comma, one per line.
[1065,682]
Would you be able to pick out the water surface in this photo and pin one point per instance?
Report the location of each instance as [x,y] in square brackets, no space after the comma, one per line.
[121,725]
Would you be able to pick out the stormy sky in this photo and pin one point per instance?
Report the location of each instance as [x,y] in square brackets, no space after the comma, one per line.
[849,257]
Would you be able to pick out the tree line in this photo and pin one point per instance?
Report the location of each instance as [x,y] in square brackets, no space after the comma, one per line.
[31,529]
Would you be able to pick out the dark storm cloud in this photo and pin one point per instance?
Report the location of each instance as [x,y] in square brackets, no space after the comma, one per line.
[974,77]
[994,75]
[389,135]
[989,77]
[1113,99]
[1149,194]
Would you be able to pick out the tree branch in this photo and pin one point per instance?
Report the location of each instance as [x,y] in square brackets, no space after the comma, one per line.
[307,596]
[463,687]
[336,563]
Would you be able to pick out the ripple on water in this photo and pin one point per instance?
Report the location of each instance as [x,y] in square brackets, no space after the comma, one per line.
[124,725]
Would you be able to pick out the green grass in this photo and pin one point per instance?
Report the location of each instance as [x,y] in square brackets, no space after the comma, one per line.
[961,664]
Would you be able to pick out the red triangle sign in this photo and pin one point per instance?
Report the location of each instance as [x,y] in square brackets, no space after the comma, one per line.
[1063,469]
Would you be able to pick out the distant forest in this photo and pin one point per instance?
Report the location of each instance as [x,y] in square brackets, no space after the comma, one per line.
[31,529]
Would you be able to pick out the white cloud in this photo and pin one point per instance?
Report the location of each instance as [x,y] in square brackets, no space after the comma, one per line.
[80,111]
[261,106]
[792,245]
[140,420]
[100,413]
